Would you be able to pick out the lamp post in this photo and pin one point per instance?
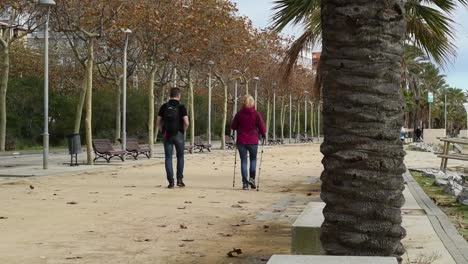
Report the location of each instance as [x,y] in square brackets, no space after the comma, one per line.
[273,84]
[45,135]
[210,64]
[127,32]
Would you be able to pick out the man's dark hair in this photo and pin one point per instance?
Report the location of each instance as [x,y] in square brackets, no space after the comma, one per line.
[175,92]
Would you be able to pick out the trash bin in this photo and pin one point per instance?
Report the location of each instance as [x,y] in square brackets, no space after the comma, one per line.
[74,147]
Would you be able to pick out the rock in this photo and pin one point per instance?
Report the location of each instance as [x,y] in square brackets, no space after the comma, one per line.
[421,146]
[463,196]
[434,174]
[440,182]
[453,187]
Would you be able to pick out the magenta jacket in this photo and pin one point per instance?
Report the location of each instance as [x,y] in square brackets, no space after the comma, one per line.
[248,123]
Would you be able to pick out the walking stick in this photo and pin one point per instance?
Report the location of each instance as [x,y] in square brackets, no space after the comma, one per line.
[235,166]
[260,166]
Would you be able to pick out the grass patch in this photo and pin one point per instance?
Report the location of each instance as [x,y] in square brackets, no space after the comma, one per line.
[457,213]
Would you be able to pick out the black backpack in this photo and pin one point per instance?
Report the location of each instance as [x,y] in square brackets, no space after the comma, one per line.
[171,120]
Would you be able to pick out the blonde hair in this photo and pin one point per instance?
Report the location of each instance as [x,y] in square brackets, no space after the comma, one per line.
[249,101]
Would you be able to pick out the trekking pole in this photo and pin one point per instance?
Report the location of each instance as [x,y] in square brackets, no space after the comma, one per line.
[260,166]
[235,166]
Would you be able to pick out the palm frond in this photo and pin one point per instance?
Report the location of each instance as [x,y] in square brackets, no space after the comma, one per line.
[431,30]
[292,12]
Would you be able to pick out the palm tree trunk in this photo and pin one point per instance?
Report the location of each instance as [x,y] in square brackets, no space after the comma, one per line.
[362,180]
[152,77]
[4,75]
[79,107]
[89,101]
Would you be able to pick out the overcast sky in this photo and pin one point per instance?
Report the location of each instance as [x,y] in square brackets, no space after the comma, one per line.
[259,11]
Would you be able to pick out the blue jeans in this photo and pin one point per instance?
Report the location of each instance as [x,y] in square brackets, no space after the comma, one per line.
[252,150]
[176,141]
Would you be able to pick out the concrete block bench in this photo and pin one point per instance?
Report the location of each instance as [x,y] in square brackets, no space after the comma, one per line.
[284,259]
[306,231]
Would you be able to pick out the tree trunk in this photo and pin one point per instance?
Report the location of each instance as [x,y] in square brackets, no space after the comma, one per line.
[161,102]
[89,101]
[79,107]
[192,113]
[151,134]
[5,71]
[312,126]
[282,118]
[225,110]
[298,118]
[362,180]
[268,121]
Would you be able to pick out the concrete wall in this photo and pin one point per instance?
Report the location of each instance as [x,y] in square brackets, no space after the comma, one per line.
[463,134]
[431,135]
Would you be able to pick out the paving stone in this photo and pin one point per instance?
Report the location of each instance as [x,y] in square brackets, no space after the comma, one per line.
[285,259]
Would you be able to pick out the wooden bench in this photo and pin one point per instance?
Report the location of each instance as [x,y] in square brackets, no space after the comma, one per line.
[445,155]
[200,145]
[188,148]
[103,149]
[135,149]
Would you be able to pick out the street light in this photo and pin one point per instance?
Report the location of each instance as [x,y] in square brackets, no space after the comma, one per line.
[127,32]
[210,64]
[45,135]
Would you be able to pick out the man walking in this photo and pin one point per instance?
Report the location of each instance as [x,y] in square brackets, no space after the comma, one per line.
[173,122]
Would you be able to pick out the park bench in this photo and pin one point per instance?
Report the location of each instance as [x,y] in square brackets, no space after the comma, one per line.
[272,141]
[135,149]
[230,144]
[103,149]
[188,148]
[445,155]
[200,145]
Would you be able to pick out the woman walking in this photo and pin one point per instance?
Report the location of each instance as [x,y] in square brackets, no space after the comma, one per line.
[249,124]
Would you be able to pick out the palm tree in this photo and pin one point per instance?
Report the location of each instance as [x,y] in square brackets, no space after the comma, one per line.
[428,26]
[361,70]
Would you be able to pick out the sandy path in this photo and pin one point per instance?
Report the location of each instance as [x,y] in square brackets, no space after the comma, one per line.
[126,215]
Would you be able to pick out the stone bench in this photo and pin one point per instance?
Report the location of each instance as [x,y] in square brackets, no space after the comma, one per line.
[306,231]
[284,259]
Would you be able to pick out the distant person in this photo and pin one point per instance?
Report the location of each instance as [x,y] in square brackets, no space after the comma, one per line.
[418,133]
[249,124]
[173,122]
[402,134]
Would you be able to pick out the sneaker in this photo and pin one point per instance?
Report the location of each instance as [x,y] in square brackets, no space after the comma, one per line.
[252,183]
[170,186]
[180,184]
[245,187]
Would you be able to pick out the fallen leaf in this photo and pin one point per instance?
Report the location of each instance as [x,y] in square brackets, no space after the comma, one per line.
[265,226]
[181,208]
[225,235]
[242,202]
[31,187]
[162,225]
[72,202]
[3,217]
[74,258]
[130,186]
[187,202]
[183,227]
[236,206]
[236,251]
[188,240]
[309,194]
